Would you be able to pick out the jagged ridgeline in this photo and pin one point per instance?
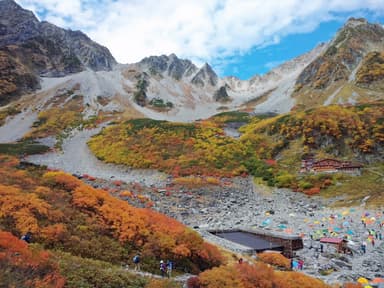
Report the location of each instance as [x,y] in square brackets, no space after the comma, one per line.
[30,48]
[354,133]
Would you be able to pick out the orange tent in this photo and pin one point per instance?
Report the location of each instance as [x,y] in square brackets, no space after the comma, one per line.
[377,280]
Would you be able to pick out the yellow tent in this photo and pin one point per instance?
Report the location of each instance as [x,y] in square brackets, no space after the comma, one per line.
[363,280]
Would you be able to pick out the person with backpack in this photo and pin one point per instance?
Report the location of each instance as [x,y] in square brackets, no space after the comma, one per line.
[136,261]
[169,268]
[163,268]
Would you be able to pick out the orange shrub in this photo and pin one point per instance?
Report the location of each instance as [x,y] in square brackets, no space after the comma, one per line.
[297,280]
[220,277]
[275,259]
[312,191]
[352,285]
[212,181]
[25,267]
[189,181]
[257,275]
[61,179]
[65,213]
[161,283]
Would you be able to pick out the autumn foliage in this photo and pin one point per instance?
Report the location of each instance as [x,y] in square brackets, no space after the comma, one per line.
[23,266]
[192,151]
[64,213]
[256,275]
[275,259]
[177,148]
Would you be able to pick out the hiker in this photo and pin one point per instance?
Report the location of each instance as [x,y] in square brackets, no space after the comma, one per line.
[364,247]
[163,268]
[321,248]
[136,261]
[27,237]
[169,268]
[241,261]
[295,265]
[301,264]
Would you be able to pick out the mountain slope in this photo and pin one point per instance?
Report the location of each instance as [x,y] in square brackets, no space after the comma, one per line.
[43,49]
[341,74]
[64,213]
[346,70]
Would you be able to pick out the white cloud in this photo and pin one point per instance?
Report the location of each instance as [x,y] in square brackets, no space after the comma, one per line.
[202,30]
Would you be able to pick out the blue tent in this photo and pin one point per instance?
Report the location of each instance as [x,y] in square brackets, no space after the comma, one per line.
[266,222]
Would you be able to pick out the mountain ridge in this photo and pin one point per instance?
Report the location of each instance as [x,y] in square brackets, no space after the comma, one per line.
[42,49]
[170,88]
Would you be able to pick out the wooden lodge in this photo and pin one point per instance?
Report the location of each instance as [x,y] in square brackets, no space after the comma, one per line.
[329,166]
[339,243]
[260,240]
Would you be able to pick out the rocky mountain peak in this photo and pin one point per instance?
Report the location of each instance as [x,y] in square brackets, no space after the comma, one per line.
[16,24]
[204,76]
[170,65]
[351,44]
[20,27]
[353,22]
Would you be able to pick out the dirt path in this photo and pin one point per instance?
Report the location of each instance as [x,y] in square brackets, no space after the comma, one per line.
[17,126]
[76,158]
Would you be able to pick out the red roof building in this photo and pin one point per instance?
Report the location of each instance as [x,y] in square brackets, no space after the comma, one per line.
[340,243]
[329,166]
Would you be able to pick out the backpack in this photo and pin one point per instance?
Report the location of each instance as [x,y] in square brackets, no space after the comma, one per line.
[162,267]
[136,259]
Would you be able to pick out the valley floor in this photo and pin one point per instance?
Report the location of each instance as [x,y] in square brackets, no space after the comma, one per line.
[240,203]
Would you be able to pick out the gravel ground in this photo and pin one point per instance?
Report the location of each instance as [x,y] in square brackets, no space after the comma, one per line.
[16,126]
[244,205]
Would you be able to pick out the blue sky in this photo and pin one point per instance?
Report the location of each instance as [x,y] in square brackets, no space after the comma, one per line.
[263,59]
[237,37]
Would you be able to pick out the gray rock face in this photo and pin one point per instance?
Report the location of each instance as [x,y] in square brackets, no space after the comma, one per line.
[170,65]
[72,51]
[180,68]
[221,95]
[16,24]
[206,75]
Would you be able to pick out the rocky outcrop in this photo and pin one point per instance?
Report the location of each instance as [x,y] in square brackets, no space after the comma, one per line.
[371,72]
[345,52]
[20,27]
[221,95]
[168,65]
[14,78]
[205,76]
[42,49]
